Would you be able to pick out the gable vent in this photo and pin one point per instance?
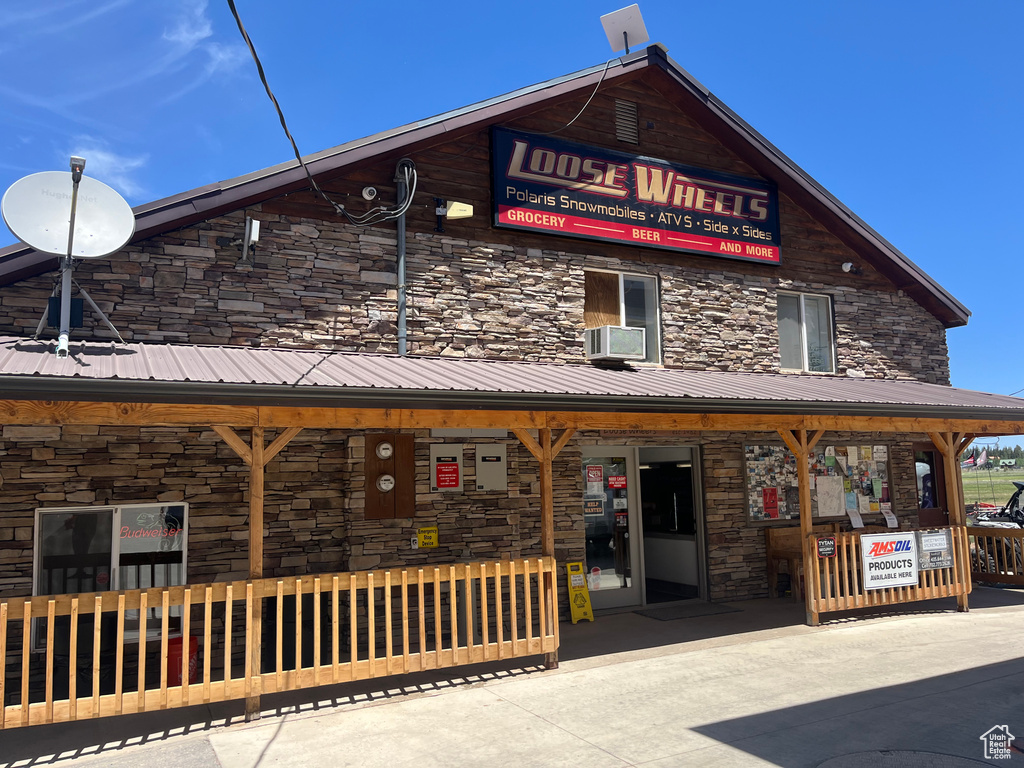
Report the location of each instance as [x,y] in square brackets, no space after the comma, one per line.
[626,122]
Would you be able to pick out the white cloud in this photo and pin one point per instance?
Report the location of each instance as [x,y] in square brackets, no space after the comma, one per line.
[118,171]
[183,57]
[53,18]
[192,26]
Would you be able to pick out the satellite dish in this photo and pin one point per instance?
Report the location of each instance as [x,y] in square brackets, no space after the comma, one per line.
[37,209]
[625,27]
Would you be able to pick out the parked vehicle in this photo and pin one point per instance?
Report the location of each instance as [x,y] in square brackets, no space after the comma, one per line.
[995,554]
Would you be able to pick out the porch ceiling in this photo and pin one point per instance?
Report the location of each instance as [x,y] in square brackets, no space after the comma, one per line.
[280,381]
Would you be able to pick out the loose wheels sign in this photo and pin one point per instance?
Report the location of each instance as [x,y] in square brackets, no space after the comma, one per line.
[889,560]
[546,184]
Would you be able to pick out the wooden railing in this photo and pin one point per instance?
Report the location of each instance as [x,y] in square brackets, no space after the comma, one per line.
[838,582]
[73,657]
[996,555]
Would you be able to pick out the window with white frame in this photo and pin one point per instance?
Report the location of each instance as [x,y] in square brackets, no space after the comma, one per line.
[96,549]
[622,299]
[805,332]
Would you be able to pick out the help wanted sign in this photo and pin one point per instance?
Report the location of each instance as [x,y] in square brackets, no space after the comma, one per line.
[889,560]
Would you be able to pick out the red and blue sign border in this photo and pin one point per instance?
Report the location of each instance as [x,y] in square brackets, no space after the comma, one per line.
[541,212]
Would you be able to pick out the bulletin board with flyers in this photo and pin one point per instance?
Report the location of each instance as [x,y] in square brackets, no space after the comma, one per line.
[846,481]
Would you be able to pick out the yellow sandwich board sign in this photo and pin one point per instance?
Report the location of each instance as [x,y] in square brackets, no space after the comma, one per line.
[579,595]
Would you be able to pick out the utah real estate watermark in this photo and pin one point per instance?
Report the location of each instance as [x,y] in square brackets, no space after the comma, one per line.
[997,741]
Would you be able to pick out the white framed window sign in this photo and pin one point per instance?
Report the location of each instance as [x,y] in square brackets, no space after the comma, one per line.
[99,549]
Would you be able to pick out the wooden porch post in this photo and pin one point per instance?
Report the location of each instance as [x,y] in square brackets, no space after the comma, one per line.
[801,448]
[257,458]
[252,703]
[544,452]
[950,445]
[547,520]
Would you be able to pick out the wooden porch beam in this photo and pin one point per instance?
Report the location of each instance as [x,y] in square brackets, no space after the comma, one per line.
[32,412]
[531,445]
[279,443]
[563,439]
[814,440]
[228,435]
[965,441]
[939,441]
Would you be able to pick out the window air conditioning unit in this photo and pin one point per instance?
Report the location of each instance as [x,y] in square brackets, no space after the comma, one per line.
[614,342]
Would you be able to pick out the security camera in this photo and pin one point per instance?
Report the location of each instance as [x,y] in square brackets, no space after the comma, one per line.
[369,193]
[847,266]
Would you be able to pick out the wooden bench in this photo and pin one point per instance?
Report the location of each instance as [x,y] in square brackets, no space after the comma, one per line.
[786,544]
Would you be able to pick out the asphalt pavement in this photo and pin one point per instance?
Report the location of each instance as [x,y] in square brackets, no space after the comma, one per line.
[750,686]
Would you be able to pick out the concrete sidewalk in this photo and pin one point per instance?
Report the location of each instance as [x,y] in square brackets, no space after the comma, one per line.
[750,687]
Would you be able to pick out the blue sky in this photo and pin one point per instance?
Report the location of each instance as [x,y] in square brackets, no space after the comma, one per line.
[909,112]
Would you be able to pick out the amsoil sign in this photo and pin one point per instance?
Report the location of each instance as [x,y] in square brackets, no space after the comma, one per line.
[889,560]
[543,184]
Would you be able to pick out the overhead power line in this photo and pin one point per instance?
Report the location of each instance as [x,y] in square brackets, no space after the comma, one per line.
[376,215]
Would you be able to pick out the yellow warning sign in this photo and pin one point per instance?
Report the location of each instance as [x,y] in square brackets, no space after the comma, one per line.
[579,595]
[426,538]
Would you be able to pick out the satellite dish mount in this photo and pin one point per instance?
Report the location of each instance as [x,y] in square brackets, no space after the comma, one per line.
[625,27]
[67,267]
[35,209]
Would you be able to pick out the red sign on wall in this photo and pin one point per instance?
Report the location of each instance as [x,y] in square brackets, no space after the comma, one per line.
[447,473]
[771,502]
[595,473]
[616,481]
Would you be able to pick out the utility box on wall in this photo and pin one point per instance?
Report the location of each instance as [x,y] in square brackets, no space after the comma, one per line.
[390,476]
[446,467]
[491,467]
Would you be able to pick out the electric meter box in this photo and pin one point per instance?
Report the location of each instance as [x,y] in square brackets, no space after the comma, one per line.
[491,467]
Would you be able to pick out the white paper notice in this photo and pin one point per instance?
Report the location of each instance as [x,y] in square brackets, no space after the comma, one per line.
[890,518]
[863,504]
[881,453]
[855,518]
[852,454]
[831,502]
[620,503]
[830,450]
[595,489]
[842,463]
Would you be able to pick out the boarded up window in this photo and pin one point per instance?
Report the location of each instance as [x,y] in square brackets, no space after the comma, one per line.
[601,303]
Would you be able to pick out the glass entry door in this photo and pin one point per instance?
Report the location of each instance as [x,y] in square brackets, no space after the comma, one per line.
[610,517]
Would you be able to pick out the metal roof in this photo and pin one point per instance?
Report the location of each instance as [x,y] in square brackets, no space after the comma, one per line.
[18,262]
[30,369]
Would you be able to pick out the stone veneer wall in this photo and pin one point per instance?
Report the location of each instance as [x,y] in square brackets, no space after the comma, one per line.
[736,549]
[322,285]
[314,501]
[96,466]
[313,514]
